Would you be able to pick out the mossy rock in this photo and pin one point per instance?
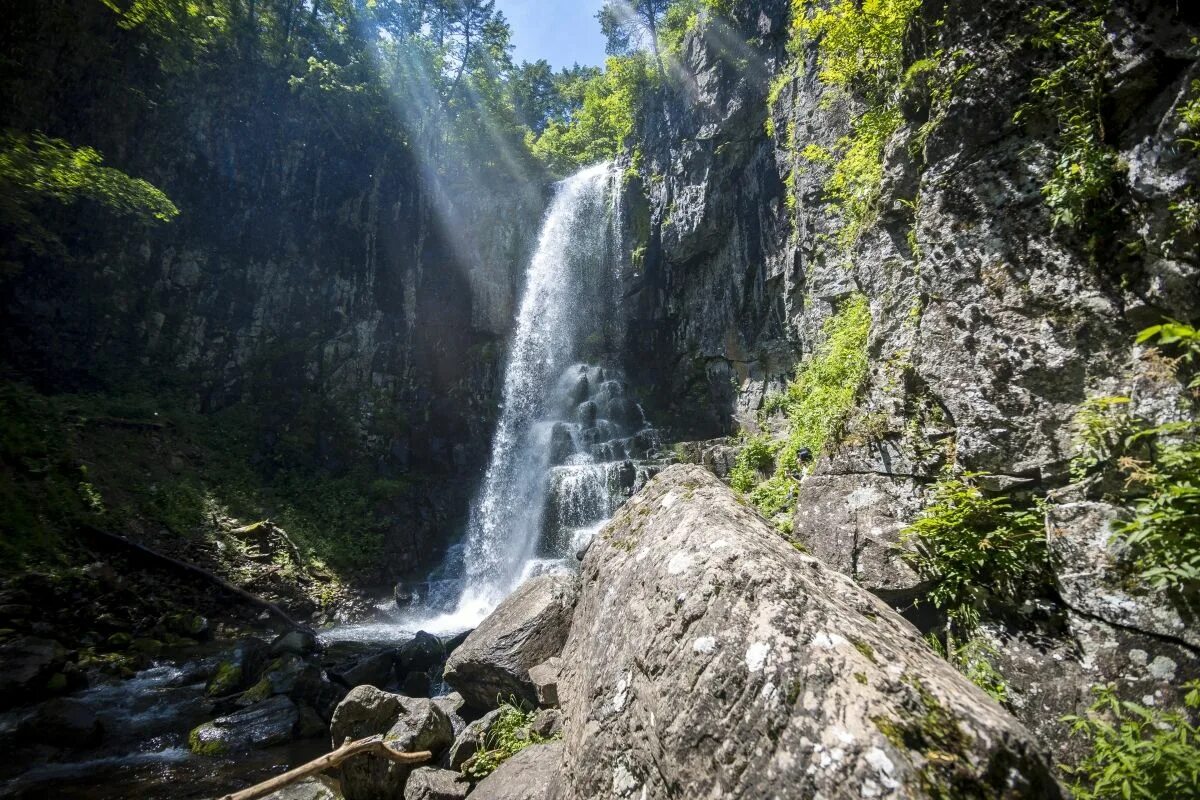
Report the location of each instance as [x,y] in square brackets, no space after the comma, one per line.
[225,680]
[147,647]
[119,640]
[205,740]
[257,692]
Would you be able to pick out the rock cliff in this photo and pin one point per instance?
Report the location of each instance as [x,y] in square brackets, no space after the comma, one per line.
[993,315]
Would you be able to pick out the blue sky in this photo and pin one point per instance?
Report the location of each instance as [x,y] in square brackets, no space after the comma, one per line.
[561,31]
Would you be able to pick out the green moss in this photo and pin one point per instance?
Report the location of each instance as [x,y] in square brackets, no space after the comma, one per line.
[225,680]
[202,746]
[930,730]
[257,692]
[863,647]
[861,678]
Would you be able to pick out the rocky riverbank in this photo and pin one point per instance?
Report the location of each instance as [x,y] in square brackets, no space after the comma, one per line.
[697,653]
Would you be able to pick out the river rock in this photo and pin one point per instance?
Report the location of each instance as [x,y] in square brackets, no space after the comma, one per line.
[431,783]
[420,653]
[407,723]
[532,774]
[547,723]
[299,642]
[315,788]
[469,742]
[239,669]
[529,627]
[698,627]
[264,724]
[374,670]
[27,666]
[545,681]
[451,704]
[63,722]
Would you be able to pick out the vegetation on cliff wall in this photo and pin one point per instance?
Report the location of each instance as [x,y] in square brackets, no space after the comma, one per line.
[815,404]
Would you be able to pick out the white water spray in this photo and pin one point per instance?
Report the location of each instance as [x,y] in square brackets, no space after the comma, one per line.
[577,238]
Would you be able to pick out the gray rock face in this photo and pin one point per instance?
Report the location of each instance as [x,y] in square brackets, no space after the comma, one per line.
[529,627]
[545,677]
[1087,570]
[469,741]
[532,774]
[853,523]
[264,724]
[707,656]
[431,783]
[407,723]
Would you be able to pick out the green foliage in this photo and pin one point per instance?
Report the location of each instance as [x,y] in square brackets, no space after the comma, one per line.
[861,43]
[756,456]
[1180,337]
[509,735]
[972,546]
[973,658]
[1164,534]
[605,122]
[1099,430]
[35,168]
[1189,114]
[1080,188]
[860,51]
[1138,752]
[858,173]
[816,403]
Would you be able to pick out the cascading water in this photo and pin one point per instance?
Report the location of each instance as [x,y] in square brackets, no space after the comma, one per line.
[570,445]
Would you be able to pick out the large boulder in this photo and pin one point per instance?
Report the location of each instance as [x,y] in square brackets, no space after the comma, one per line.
[264,724]
[315,788]
[239,669]
[420,653]
[709,657]
[532,774]
[408,724]
[529,627]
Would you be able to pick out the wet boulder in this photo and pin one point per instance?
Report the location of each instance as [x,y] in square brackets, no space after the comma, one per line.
[299,642]
[265,724]
[562,444]
[29,668]
[431,783]
[63,722]
[423,651]
[408,724]
[239,670]
[529,627]
[373,670]
[698,623]
[532,774]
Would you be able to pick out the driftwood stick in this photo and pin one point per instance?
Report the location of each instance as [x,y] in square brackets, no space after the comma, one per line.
[200,572]
[372,744]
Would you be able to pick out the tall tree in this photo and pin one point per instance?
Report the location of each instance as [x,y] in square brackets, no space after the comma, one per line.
[632,24]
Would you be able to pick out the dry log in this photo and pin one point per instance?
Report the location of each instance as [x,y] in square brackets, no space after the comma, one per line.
[374,745]
[200,572]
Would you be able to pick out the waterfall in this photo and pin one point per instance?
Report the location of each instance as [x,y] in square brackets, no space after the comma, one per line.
[570,444]
[576,240]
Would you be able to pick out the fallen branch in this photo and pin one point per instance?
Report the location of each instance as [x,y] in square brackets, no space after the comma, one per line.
[192,569]
[375,745]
